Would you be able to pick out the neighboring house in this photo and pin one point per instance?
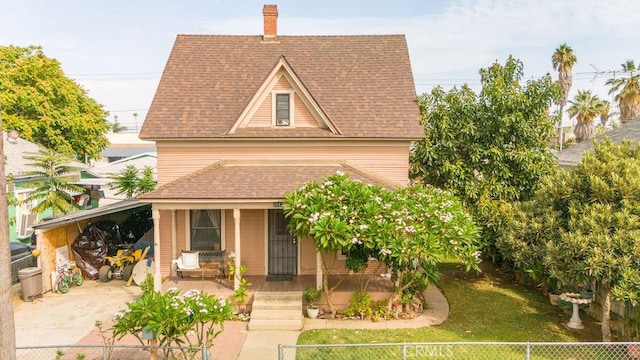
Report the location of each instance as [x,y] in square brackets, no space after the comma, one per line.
[100,174]
[16,166]
[571,156]
[125,145]
[239,121]
[14,149]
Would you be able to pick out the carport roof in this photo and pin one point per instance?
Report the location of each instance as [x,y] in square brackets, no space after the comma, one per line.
[252,180]
[90,214]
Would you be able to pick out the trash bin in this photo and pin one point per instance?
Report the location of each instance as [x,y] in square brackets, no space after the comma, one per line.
[31,282]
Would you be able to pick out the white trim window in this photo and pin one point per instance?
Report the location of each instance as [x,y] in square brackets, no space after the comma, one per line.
[282,105]
[206,230]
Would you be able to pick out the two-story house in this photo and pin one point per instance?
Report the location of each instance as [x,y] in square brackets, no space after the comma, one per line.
[239,121]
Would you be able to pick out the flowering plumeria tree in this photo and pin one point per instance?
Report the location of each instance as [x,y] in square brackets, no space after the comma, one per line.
[192,319]
[408,229]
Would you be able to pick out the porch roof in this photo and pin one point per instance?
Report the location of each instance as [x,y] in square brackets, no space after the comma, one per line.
[251,180]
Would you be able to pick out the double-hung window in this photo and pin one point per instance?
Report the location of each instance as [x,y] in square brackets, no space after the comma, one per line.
[206,230]
[283,108]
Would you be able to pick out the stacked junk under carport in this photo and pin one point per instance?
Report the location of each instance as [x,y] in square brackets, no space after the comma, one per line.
[106,251]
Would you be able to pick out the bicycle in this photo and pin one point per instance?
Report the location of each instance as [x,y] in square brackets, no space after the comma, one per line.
[67,276]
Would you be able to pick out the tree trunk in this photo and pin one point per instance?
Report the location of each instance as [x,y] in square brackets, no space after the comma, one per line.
[7,326]
[605,296]
[584,130]
[629,109]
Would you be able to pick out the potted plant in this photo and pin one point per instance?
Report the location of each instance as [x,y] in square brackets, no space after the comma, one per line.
[311,295]
[554,291]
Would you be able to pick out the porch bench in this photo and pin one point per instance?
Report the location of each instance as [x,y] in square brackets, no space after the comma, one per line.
[211,264]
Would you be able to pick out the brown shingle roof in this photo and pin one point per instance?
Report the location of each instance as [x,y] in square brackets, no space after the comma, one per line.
[364,84]
[250,180]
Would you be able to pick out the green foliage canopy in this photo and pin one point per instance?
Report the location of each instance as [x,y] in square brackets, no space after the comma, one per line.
[48,108]
[130,181]
[490,147]
[409,229]
[176,318]
[583,226]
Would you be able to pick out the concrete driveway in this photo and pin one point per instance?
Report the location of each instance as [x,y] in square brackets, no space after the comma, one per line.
[65,319]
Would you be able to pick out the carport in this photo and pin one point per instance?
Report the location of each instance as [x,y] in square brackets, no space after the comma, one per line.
[60,232]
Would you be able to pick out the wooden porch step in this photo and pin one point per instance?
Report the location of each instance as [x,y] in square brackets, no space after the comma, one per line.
[280,310]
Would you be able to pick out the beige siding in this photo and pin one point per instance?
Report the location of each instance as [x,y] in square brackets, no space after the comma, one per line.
[390,159]
[165,242]
[282,84]
[302,116]
[307,258]
[263,116]
[252,237]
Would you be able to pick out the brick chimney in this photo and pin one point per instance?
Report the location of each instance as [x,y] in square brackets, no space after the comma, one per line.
[270,13]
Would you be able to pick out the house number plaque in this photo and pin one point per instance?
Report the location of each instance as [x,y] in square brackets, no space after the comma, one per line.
[277,204]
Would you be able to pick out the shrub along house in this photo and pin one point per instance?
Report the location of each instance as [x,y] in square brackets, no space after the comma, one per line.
[239,121]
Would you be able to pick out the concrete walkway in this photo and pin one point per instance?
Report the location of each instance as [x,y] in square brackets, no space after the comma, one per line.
[67,319]
[264,344]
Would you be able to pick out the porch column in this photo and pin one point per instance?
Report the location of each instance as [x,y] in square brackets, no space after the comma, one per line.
[236,264]
[174,235]
[157,276]
[318,270]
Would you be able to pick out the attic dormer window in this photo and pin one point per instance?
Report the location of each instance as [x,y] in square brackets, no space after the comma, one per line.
[282,108]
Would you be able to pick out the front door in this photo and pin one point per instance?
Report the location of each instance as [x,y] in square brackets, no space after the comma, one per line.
[283,248]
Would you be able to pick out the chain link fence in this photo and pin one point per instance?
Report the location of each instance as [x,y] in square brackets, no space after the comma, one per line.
[462,350]
[110,352]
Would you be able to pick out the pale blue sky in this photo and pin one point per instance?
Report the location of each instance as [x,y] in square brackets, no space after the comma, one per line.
[117,49]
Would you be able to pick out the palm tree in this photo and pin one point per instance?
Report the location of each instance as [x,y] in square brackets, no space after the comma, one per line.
[54,189]
[116,127]
[586,107]
[628,91]
[563,60]
[135,120]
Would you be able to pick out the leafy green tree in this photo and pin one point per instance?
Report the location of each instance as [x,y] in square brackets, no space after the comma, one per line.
[583,225]
[628,91]
[408,229]
[56,182]
[585,108]
[190,320]
[130,182]
[488,148]
[47,107]
[147,181]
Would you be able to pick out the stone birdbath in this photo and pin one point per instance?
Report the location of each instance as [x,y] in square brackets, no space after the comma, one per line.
[577,300]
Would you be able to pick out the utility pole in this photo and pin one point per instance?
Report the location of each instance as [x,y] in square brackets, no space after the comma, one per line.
[7,325]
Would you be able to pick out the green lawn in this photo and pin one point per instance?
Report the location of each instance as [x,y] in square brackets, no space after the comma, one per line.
[486,307]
